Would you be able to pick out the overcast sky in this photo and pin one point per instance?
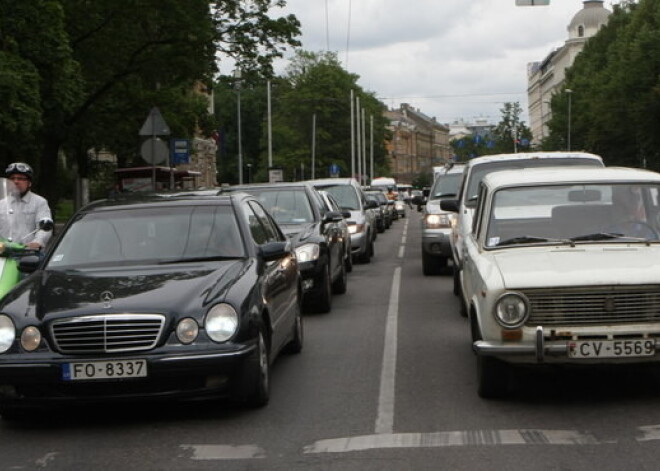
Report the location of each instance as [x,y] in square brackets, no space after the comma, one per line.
[452,59]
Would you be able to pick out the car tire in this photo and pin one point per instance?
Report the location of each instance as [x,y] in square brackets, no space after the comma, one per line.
[432,265]
[255,380]
[322,302]
[457,282]
[296,343]
[492,377]
[365,257]
[349,261]
[341,283]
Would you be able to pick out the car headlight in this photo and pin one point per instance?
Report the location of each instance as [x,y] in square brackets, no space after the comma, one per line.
[437,221]
[30,338]
[308,252]
[355,228]
[221,322]
[511,310]
[7,333]
[187,330]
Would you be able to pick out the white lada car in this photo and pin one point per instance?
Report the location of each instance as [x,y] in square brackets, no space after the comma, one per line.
[563,267]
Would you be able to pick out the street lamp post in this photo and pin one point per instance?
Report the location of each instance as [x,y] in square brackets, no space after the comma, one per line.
[237,86]
[569,92]
[249,175]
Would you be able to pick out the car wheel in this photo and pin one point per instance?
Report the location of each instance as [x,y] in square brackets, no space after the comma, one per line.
[492,377]
[366,255]
[432,265]
[296,343]
[340,284]
[457,282]
[255,390]
[349,261]
[322,302]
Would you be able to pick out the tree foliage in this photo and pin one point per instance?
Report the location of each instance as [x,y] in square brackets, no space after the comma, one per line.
[615,104]
[314,85]
[84,74]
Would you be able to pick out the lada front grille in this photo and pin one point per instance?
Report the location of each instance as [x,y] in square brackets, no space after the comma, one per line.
[108,333]
[584,306]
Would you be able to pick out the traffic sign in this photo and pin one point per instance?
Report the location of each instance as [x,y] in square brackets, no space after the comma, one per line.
[180,151]
[154,151]
[155,124]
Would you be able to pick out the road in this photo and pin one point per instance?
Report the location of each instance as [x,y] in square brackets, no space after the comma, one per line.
[386,381]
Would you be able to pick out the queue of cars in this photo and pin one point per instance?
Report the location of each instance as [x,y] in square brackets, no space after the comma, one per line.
[179,296]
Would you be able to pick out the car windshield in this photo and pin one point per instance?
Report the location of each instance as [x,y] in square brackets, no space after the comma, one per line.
[481,170]
[345,195]
[134,236]
[574,213]
[445,186]
[287,206]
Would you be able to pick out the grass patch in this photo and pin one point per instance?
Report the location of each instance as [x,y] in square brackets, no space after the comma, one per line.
[64,211]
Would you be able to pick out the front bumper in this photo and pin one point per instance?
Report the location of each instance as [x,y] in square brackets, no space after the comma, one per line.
[437,242]
[311,275]
[359,243]
[38,380]
[541,350]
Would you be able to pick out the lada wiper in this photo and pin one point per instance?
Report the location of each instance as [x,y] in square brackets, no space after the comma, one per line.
[528,239]
[609,236]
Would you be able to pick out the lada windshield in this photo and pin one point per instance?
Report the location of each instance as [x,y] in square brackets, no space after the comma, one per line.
[479,171]
[574,214]
[149,235]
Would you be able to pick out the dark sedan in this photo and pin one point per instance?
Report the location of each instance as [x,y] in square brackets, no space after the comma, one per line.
[152,298]
[316,234]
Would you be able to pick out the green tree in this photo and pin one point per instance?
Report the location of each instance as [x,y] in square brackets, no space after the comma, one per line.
[511,134]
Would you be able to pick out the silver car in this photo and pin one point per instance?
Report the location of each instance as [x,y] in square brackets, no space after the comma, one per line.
[361,224]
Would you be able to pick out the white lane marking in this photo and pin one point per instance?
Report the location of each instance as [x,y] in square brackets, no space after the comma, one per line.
[456,438]
[385,417]
[225,452]
[649,432]
[402,250]
[48,457]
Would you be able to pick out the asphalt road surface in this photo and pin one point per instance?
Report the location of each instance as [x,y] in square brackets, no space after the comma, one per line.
[386,381]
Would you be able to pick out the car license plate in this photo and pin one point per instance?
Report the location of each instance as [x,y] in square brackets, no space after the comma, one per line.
[611,348]
[116,369]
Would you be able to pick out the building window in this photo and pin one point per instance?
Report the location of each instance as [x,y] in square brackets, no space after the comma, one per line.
[580,31]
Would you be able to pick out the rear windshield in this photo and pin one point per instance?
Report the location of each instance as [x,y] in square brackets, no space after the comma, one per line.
[445,186]
[345,195]
[480,171]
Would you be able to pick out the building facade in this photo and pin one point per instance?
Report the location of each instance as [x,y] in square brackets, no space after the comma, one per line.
[418,143]
[547,77]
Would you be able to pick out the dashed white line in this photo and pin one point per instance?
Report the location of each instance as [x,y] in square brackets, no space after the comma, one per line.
[224,452]
[450,439]
[385,417]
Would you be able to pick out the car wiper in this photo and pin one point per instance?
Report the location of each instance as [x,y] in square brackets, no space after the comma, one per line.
[213,258]
[609,236]
[528,239]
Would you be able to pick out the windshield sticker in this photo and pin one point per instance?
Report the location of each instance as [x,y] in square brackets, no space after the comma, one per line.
[493,241]
[58,257]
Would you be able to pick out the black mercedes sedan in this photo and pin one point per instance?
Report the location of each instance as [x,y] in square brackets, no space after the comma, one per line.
[156,297]
[316,234]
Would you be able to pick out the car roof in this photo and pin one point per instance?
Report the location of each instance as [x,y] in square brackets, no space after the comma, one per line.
[563,175]
[333,181]
[241,187]
[135,200]
[531,155]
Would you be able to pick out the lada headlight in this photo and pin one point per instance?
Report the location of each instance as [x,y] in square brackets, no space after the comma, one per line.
[7,333]
[511,310]
[221,322]
[308,252]
[437,221]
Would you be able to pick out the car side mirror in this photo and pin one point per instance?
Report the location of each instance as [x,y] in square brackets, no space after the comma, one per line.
[346,214]
[333,216]
[418,200]
[449,205]
[29,263]
[274,250]
[371,204]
